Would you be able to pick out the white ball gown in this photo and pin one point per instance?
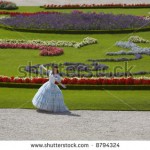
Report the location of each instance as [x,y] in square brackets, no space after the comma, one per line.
[49,97]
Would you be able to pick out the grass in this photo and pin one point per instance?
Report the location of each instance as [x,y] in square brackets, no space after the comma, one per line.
[133,11]
[81,99]
[11,59]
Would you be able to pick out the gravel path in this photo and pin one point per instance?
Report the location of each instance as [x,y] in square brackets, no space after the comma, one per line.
[26,124]
[42,2]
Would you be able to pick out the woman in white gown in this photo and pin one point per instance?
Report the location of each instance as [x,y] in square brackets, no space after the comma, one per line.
[49,97]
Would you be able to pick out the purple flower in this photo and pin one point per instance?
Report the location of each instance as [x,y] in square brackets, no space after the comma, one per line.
[76,21]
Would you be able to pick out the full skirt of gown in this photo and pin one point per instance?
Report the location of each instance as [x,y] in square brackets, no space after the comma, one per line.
[49,98]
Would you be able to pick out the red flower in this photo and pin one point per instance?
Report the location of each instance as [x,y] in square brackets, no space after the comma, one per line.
[94,5]
[44,50]
[5,79]
[27,80]
[91,81]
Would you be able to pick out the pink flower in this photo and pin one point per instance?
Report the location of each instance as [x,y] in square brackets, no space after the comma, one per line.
[44,50]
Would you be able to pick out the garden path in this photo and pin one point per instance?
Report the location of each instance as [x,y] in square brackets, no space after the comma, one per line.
[28,124]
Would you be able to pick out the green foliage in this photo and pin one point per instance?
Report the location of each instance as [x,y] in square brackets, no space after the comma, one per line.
[4,5]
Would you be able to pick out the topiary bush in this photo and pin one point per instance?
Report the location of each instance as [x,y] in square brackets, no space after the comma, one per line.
[5,5]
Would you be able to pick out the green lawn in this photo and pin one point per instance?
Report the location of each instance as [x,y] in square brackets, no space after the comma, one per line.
[134,11]
[81,99]
[11,59]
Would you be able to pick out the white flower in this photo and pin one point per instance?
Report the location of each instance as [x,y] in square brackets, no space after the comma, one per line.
[85,41]
[137,39]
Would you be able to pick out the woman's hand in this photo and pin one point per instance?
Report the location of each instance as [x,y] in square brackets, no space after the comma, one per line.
[41,66]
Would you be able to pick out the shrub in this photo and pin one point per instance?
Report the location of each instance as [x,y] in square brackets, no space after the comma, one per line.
[5,5]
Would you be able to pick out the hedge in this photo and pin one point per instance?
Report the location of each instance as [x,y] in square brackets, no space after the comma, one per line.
[75,31]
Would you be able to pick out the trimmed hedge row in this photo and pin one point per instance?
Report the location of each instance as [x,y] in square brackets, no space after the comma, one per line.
[75,31]
[80,87]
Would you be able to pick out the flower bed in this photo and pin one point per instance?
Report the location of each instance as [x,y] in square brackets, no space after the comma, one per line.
[75,21]
[80,81]
[44,50]
[73,6]
[137,39]
[47,48]
[50,51]
[69,69]
[12,14]
[85,41]
[137,56]
[134,49]
[5,5]
[95,69]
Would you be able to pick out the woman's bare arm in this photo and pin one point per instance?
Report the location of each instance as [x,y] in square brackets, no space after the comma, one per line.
[41,66]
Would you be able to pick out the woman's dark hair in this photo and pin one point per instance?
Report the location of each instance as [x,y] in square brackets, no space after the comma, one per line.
[55,67]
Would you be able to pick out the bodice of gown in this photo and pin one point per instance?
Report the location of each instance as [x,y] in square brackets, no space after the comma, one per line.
[53,78]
